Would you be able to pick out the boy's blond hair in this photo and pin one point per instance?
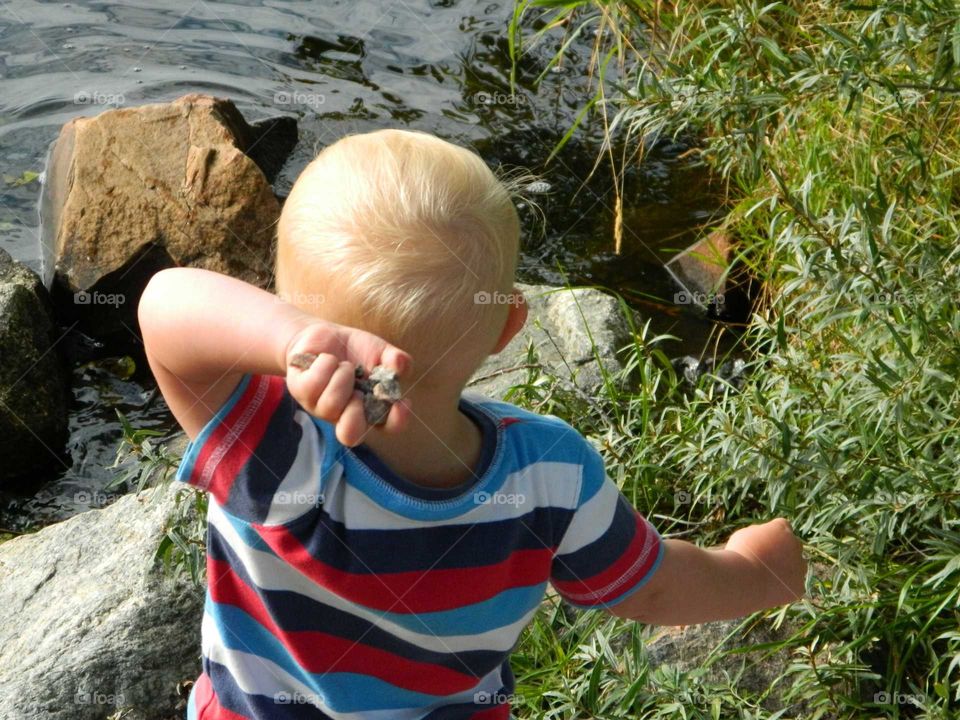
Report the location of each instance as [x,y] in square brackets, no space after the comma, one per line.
[413,233]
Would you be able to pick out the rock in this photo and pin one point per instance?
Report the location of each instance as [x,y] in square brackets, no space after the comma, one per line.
[134,190]
[561,324]
[707,277]
[701,270]
[688,647]
[730,373]
[270,143]
[33,379]
[538,187]
[88,625]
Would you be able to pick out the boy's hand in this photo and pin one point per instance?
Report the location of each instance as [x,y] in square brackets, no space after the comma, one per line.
[778,556]
[326,388]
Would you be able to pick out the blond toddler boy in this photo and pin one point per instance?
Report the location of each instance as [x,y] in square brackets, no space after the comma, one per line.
[386,572]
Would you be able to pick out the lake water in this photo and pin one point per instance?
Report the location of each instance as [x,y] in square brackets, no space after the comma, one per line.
[339,67]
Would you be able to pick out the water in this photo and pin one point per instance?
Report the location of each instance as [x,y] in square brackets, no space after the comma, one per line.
[339,67]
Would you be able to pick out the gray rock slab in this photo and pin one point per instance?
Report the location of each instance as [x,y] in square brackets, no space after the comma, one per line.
[575,332]
[89,625]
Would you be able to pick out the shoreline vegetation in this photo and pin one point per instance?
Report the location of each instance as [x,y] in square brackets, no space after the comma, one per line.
[837,130]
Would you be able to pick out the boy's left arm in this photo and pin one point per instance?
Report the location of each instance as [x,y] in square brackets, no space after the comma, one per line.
[760,567]
[612,558]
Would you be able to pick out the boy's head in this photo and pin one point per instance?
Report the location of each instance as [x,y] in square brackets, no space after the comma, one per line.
[407,236]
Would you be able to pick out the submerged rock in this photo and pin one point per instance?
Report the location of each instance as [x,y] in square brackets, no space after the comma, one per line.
[89,625]
[701,270]
[33,379]
[708,278]
[538,187]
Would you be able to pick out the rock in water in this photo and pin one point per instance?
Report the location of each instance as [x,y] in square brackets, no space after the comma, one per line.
[134,190]
[729,374]
[33,380]
[701,270]
[708,277]
[88,624]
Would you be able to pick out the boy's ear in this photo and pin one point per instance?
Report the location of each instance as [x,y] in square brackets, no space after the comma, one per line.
[516,317]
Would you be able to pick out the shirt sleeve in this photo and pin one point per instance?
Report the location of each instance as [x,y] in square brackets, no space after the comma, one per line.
[260,456]
[609,550]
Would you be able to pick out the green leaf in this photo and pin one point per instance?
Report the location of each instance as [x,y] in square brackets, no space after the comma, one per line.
[27,177]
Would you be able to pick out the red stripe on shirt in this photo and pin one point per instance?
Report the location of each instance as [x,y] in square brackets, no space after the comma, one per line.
[619,576]
[414,591]
[207,705]
[240,432]
[318,652]
[216,711]
[499,712]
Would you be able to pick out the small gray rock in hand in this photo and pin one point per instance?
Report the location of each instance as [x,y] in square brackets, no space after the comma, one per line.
[380,390]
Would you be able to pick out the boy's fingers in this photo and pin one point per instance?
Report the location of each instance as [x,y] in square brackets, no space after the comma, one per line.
[784,523]
[399,417]
[352,425]
[397,360]
[337,393]
[312,381]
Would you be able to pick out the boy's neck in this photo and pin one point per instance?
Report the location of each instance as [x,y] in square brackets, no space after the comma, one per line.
[440,448]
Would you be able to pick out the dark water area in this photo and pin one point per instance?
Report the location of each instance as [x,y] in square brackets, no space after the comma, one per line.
[339,67]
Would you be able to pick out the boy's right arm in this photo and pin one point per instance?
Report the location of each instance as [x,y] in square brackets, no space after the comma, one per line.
[760,567]
[203,331]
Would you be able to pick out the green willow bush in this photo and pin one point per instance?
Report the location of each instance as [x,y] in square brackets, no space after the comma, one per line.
[837,128]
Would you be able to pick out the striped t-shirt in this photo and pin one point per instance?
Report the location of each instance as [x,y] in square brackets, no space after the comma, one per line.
[337,589]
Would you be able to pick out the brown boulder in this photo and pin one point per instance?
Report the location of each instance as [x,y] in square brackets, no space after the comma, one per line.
[133,190]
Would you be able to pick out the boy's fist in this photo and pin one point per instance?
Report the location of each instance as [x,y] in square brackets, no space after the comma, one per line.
[778,556]
[326,390]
